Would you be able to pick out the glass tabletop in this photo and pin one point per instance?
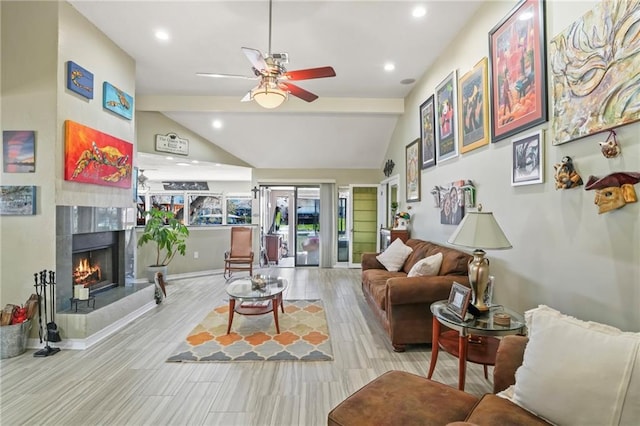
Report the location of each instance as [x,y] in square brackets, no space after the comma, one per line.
[483,324]
[258,287]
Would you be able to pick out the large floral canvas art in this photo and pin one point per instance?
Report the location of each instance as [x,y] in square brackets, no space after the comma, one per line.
[595,71]
[95,157]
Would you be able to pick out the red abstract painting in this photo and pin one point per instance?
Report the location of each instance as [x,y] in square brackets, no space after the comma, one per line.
[95,157]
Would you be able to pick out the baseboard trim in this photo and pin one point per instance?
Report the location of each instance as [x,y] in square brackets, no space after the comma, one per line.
[184,275]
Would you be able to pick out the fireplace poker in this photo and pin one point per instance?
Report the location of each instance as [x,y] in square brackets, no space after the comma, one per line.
[39,294]
[47,350]
[53,335]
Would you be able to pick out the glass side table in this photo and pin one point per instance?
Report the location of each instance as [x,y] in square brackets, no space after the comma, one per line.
[474,340]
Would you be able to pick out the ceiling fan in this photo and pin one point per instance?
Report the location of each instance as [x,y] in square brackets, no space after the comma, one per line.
[274,80]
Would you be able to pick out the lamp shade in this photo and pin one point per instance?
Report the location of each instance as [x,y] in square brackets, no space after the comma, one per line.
[269,97]
[479,230]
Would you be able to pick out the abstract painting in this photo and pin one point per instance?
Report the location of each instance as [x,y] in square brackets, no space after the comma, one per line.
[595,66]
[518,70]
[17,200]
[96,158]
[446,128]
[117,101]
[18,151]
[79,80]
[474,107]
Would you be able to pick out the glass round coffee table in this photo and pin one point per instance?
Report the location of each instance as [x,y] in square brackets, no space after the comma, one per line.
[257,295]
[474,340]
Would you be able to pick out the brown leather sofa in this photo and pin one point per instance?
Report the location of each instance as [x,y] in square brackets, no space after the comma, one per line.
[401,304]
[401,398]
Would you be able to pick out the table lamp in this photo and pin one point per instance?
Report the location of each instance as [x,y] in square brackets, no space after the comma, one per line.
[479,230]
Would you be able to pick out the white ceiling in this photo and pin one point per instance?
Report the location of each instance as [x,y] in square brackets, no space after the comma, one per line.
[351,123]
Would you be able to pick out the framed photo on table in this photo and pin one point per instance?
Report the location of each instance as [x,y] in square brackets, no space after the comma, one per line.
[413,171]
[518,70]
[428,133]
[459,300]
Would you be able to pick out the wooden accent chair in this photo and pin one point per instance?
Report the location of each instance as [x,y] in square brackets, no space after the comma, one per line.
[240,257]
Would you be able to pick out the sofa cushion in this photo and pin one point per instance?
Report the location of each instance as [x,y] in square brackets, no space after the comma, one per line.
[395,255]
[578,372]
[428,266]
[454,262]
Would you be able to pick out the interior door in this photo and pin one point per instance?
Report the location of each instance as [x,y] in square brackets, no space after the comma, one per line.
[364,222]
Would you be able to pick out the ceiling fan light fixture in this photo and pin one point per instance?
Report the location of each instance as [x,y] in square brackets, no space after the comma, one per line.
[269,97]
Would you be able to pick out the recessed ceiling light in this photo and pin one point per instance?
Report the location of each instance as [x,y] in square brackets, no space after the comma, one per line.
[217,124]
[183,164]
[419,11]
[162,35]
[168,158]
[389,66]
[195,161]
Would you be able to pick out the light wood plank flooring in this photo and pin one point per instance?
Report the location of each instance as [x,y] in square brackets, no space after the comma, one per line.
[124,380]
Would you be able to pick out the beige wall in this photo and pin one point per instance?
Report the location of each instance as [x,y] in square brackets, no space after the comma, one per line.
[564,253]
[34,97]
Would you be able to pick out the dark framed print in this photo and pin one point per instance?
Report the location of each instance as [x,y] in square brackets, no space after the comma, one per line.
[413,171]
[518,70]
[446,114]
[427,133]
[473,104]
[527,159]
[459,300]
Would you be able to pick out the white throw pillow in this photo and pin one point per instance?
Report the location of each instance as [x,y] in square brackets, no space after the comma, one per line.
[428,266]
[578,373]
[394,256]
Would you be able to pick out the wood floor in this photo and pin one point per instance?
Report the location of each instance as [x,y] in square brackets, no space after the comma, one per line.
[124,380]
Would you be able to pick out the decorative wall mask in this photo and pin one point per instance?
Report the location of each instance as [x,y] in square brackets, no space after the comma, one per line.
[469,194]
[566,175]
[614,191]
[610,147]
[436,196]
[388,168]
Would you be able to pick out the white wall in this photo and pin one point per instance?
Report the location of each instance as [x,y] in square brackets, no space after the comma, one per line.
[564,253]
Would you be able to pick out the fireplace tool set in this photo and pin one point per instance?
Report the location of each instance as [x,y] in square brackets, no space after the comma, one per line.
[48,330]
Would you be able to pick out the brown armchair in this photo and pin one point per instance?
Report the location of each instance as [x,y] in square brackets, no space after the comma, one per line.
[240,256]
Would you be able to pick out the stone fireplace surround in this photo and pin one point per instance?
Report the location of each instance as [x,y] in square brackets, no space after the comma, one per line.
[81,330]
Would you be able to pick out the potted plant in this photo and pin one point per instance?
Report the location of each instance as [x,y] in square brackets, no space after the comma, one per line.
[169,236]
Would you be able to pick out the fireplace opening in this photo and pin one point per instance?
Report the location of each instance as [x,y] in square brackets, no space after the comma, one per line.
[95,261]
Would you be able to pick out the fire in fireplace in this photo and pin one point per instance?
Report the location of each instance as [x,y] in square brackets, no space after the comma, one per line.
[94,260]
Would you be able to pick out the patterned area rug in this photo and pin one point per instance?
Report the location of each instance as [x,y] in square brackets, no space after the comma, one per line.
[304,336]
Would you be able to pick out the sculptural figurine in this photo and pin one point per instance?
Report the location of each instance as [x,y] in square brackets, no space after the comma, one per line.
[566,175]
[614,191]
[610,147]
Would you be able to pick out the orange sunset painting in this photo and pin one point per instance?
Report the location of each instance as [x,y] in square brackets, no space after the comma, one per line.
[18,149]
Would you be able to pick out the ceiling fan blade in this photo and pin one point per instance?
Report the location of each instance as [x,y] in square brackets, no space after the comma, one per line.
[299,92]
[256,58]
[310,73]
[247,97]
[219,75]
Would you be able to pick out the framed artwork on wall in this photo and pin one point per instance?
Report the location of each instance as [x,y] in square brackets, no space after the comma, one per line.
[518,70]
[17,200]
[592,96]
[19,151]
[446,116]
[427,133]
[91,156]
[527,159]
[474,107]
[79,80]
[413,171]
[117,101]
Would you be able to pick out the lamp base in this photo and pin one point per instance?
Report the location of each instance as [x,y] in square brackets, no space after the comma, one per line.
[479,279]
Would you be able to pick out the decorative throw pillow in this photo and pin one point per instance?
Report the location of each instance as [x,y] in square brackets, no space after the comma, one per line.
[578,372]
[394,256]
[428,266]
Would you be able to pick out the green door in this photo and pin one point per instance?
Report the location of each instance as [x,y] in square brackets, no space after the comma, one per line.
[364,220]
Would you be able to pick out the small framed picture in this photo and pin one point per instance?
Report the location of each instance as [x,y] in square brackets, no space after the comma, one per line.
[459,300]
[527,159]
